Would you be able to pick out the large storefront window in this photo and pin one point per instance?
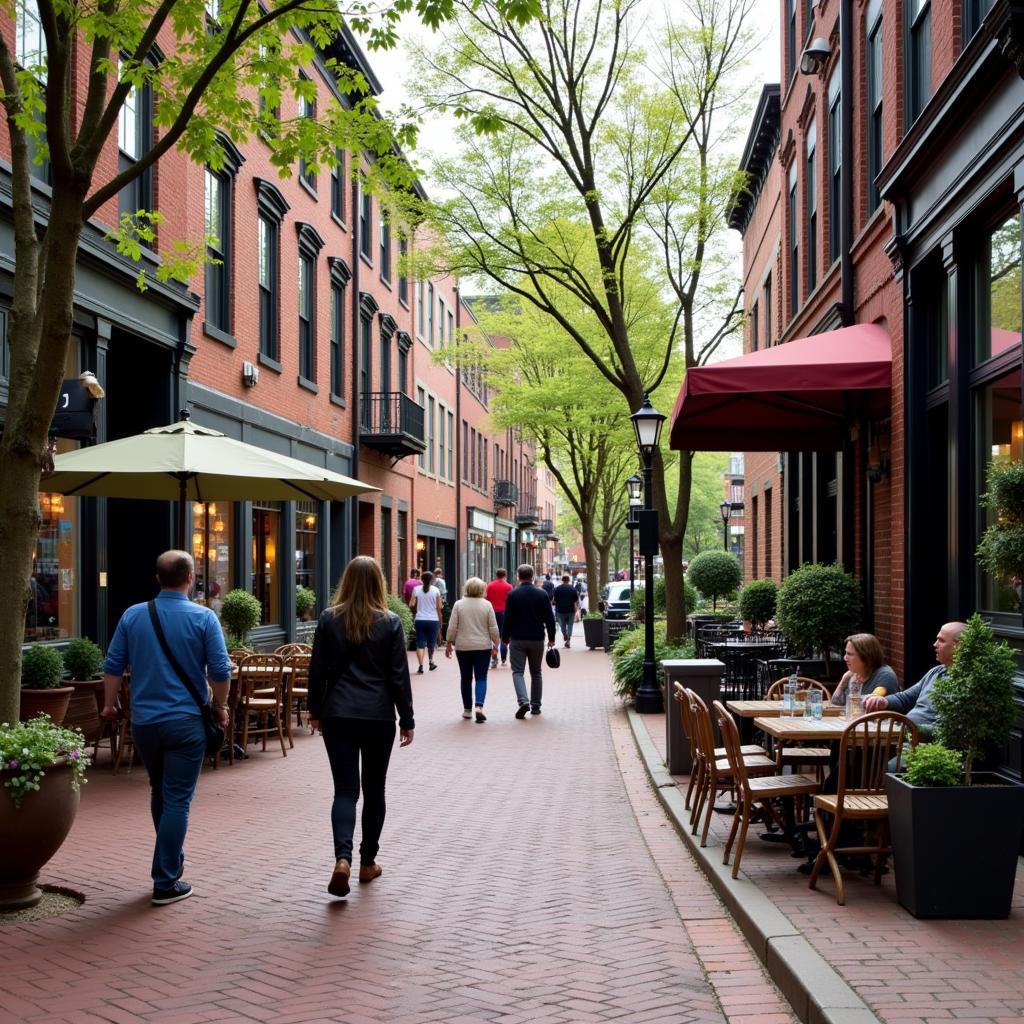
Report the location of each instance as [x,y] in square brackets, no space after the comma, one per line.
[998,291]
[212,530]
[306,519]
[266,580]
[53,604]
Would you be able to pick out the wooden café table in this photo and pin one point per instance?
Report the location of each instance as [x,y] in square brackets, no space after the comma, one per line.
[749,710]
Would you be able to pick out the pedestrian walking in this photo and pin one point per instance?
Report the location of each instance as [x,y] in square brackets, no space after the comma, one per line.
[497,593]
[548,587]
[473,632]
[175,648]
[528,616]
[410,585]
[441,585]
[358,678]
[426,605]
[566,602]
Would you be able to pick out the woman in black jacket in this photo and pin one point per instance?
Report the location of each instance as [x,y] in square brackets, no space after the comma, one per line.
[358,676]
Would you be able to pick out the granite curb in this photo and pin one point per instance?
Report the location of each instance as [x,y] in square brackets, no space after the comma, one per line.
[814,989]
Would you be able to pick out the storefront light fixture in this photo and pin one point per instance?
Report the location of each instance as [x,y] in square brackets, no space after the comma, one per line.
[814,57]
[878,458]
[1017,441]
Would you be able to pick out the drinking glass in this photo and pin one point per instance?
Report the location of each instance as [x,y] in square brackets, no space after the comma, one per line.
[799,702]
[814,705]
[788,699]
[853,705]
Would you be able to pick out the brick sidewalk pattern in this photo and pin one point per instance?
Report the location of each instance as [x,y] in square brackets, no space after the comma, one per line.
[908,971]
[529,876]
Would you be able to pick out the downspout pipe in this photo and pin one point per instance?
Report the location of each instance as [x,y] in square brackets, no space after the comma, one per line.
[356,350]
[460,562]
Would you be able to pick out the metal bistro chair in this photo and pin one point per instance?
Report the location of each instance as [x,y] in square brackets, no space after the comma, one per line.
[740,671]
[763,789]
[868,744]
[259,708]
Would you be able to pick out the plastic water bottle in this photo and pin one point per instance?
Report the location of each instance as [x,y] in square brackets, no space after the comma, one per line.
[789,695]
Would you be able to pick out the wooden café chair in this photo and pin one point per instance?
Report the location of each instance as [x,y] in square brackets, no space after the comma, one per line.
[867,746]
[259,706]
[762,789]
[296,690]
[124,726]
[287,650]
[796,756]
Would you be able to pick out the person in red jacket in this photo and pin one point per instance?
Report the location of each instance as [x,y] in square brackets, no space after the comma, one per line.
[497,594]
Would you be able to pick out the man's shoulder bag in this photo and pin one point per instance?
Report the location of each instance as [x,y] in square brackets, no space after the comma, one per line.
[214,732]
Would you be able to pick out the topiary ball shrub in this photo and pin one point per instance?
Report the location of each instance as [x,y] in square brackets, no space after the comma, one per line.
[715,574]
[82,658]
[305,600]
[42,668]
[404,612]
[758,600]
[818,608]
[240,613]
[932,764]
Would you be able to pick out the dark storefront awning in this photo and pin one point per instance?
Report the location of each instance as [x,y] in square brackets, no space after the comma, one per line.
[800,396]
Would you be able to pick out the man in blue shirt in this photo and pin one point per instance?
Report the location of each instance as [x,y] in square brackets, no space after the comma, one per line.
[167,725]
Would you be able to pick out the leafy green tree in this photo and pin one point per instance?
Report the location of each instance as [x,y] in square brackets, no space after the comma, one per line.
[704,521]
[565,129]
[221,60]
[715,574]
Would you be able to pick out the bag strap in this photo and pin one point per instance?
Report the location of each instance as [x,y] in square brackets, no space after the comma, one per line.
[159,630]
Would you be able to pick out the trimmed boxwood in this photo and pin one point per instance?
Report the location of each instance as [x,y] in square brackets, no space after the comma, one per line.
[818,608]
[42,668]
[715,574]
[758,600]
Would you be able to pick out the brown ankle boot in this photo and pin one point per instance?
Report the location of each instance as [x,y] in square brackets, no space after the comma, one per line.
[368,872]
[338,886]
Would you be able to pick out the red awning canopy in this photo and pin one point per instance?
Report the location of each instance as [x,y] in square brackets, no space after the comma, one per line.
[800,396]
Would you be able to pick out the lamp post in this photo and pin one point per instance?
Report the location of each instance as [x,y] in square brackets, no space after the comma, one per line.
[633,487]
[647,423]
[726,509]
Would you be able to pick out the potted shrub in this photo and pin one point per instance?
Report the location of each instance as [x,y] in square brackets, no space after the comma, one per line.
[1001,551]
[593,630]
[714,574]
[404,612]
[305,601]
[956,831]
[240,613]
[83,660]
[628,658]
[818,608]
[757,602]
[42,689]
[41,768]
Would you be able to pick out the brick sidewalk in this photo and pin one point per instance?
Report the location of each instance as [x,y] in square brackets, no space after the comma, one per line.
[908,971]
[517,888]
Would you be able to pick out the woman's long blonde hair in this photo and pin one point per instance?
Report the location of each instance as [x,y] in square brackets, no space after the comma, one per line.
[361,597]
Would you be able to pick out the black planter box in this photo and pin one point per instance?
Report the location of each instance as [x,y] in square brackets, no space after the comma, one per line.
[955,847]
[593,633]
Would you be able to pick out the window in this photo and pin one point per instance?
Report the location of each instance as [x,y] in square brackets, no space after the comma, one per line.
[269,116]
[365,222]
[30,51]
[401,539]
[431,462]
[365,354]
[419,309]
[421,399]
[766,305]
[306,519]
[52,611]
[265,582]
[794,246]
[440,322]
[338,183]
[808,17]
[213,549]
[268,256]
[835,169]
[974,15]
[403,274]
[385,547]
[310,244]
[5,348]
[917,62]
[451,327]
[307,110]
[811,200]
[404,344]
[218,250]
[790,38]
[753,327]
[385,249]
[340,276]
[430,314]
[451,461]
[998,291]
[440,439]
[874,74]
[465,451]
[472,456]
[387,332]
[134,138]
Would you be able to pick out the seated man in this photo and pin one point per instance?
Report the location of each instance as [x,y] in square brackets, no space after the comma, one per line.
[916,702]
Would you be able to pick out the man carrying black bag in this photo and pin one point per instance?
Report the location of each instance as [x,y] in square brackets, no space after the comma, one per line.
[171,660]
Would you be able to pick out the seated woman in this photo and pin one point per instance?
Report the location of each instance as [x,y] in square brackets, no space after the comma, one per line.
[865,661]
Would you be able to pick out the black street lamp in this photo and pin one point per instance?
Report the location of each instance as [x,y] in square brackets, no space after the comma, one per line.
[633,487]
[726,509]
[647,423]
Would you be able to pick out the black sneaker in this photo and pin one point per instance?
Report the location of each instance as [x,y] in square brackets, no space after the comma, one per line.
[523,709]
[178,891]
[534,711]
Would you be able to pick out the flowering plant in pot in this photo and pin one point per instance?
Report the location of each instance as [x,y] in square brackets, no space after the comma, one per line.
[956,831]
[42,766]
[42,684]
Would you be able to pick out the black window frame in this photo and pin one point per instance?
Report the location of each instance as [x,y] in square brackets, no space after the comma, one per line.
[766,302]
[365,223]
[219,273]
[384,236]
[138,194]
[271,207]
[338,181]
[835,167]
[790,39]
[308,110]
[917,58]
[974,13]
[874,68]
[754,327]
[403,273]
[794,243]
[811,204]
[310,243]
[340,274]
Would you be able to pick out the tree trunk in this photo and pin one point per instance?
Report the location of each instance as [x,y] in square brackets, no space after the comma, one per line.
[593,570]
[603,551]
[675,605]
[38,373]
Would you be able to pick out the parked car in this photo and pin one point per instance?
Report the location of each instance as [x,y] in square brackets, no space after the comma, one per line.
[616,601]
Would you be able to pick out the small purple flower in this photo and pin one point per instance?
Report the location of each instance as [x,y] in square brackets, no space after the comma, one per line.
[74,755]
[13,763]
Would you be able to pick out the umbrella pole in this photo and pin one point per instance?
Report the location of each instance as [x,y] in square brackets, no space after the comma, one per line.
[181,514]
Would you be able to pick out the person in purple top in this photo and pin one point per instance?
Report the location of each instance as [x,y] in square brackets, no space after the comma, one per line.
[167,724]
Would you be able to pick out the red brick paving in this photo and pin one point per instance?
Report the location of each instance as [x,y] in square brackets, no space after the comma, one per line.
[517,887]
[907,971]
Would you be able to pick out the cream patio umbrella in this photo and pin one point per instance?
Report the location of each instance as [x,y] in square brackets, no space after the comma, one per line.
[186,462]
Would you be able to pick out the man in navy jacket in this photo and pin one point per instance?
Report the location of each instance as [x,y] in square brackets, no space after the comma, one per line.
[528,615]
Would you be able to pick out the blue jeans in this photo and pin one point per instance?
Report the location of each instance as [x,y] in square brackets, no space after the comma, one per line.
[349,741]
[173,753]
[500,616]
[565,620]
[473,664]
[521,652]
[426,635]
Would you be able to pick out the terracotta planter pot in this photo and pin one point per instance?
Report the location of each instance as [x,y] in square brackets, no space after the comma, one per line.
[54,702]
[33,833]
[84,708]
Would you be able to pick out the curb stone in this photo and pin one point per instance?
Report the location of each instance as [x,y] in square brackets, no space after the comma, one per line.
[814,989]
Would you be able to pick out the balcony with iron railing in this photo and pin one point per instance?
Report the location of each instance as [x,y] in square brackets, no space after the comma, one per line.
[528,515]
[391,422]
[506,493]
[546,526]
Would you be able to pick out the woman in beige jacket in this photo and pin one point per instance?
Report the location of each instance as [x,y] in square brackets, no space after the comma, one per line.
[473,632]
